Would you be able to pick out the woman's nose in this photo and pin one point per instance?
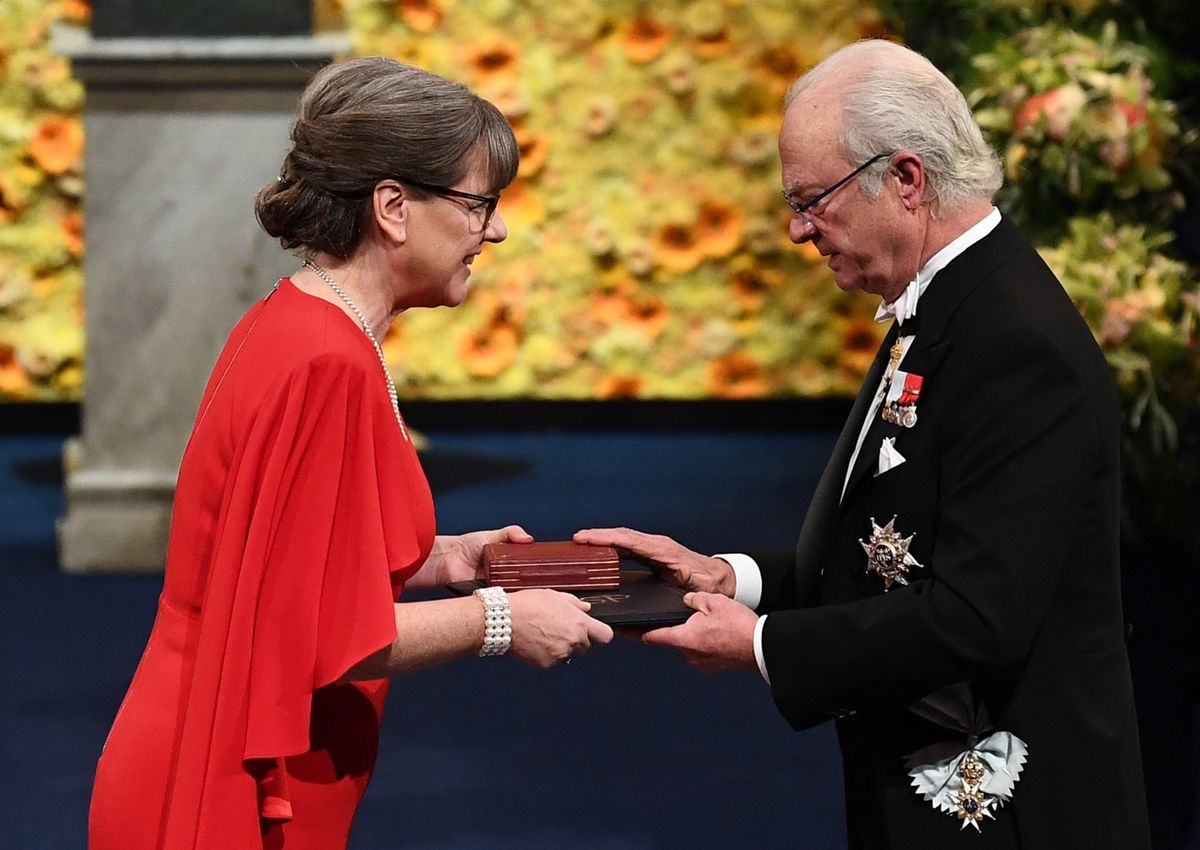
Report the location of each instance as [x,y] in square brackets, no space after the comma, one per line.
[497,230]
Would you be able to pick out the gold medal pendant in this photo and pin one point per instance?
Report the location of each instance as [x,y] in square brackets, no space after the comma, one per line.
[974,784]
[887,554]
[973,804]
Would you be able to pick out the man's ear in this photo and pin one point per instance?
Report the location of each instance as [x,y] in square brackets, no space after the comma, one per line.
[390,207]
[910,175]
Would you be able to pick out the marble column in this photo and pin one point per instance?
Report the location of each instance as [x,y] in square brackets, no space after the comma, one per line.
[180,135]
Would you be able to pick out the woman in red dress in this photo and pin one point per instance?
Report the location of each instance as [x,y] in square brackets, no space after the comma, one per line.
[301,510]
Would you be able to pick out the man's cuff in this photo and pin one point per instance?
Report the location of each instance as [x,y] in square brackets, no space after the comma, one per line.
[747,578]
[758,650]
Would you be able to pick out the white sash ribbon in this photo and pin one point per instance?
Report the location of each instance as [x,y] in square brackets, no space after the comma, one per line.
[934,769]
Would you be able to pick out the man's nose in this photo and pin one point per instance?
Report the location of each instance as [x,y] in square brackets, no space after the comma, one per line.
[800,229]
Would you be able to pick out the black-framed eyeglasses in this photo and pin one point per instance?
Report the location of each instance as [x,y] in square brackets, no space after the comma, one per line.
[487,203]
[802,207]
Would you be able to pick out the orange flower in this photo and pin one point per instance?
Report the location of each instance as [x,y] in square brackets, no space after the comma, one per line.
[619,386]
[14,383]
[781,63]
[57,144]
[751,284]
[645,40]
[609,305]
[420,15]
[71,222]
[860,342]
[718,228]
[737,375]
[676,248]
[534,148]
[493,59]
[76,11]
[489,351]
[649,316]
[713,44]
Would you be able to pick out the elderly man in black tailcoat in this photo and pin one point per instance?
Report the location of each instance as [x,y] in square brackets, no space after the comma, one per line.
[954,599]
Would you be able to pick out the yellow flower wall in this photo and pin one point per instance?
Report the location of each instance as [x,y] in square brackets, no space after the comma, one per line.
[648,253]
[41,224]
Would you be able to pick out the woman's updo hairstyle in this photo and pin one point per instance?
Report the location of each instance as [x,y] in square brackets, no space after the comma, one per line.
[371,119]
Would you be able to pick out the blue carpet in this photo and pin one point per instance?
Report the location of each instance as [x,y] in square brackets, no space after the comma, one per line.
[627,748]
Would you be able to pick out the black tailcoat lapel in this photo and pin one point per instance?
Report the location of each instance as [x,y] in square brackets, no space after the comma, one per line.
[822,511]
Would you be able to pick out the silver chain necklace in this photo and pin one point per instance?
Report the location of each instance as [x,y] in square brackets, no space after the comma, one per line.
[362,320]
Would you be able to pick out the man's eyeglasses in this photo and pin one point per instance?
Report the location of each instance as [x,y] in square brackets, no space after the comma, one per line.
[801,208]
[482,203]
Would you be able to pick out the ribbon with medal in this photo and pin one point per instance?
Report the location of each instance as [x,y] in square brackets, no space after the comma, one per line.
[900,403]
[971,780]
[901,390]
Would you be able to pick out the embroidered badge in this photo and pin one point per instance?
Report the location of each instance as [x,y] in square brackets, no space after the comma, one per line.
[887,554]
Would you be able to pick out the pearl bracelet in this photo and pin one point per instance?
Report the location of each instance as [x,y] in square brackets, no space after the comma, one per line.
[497,616]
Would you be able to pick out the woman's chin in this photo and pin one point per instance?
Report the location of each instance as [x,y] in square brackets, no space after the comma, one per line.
[456,293]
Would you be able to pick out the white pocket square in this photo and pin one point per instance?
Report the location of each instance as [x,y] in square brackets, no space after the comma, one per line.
[889,458]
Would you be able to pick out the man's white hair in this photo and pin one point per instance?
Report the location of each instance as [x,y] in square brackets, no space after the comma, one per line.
[893,98]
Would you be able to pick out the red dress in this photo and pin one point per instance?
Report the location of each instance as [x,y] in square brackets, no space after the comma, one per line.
[299,513]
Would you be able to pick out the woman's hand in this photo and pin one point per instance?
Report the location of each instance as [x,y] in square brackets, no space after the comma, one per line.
[459,557]
[549,627]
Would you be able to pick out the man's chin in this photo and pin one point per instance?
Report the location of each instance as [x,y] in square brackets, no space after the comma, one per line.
[846,282]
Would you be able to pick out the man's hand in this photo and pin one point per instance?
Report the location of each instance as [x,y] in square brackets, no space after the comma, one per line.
[719,636]
[459,557]
[675,563]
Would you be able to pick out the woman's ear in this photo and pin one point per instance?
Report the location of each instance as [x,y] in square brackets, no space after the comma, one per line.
[910,175]
[390,208]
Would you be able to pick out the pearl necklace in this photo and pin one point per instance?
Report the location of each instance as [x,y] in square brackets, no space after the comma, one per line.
[341,293]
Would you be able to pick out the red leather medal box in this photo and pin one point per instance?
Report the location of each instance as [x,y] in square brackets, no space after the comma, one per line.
[558,565]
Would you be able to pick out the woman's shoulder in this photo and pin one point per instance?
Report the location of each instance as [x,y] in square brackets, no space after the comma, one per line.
[300,329]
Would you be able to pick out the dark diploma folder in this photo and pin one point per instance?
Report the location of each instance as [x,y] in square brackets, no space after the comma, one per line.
[642,601]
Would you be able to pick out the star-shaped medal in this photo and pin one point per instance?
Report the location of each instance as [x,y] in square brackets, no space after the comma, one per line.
[887,554]
[973,804]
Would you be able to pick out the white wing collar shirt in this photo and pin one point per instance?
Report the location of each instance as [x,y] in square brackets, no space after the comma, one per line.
[746,573]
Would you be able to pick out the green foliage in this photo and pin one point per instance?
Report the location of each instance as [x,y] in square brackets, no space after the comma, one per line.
[1093,106]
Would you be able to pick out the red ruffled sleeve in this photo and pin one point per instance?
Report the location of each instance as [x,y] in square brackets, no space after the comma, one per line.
[322,520]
